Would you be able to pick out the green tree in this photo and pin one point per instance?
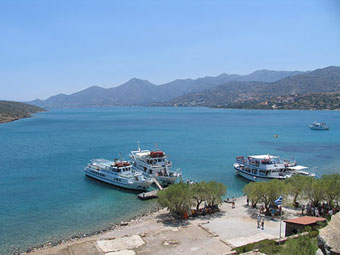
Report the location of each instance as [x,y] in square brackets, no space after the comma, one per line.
[200,192]
[330,185]
[315,191]
[296,186]
[272,190]
[254,191]
[303,245]
[215,193]
[177,198]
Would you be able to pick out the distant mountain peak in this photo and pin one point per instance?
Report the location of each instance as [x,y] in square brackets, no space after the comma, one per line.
[95,87]
[136,82]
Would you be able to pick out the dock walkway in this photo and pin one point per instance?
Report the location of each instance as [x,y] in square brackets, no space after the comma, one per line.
[148,195]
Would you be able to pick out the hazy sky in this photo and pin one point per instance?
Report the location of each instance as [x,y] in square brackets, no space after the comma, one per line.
[49,47]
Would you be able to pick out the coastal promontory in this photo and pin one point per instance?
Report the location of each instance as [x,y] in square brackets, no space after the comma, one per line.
[10,111]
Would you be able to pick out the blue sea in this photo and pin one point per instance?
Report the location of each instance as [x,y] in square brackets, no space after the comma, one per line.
[44,195]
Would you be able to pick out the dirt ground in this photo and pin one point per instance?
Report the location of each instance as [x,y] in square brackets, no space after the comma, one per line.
[159,234]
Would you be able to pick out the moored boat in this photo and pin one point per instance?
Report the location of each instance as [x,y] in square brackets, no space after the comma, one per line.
[118,173]
[154,164]
[268,167]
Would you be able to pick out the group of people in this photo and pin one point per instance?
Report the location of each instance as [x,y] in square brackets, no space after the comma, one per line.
[323,209]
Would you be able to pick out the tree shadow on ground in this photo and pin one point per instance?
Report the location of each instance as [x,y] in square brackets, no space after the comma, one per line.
[167,219]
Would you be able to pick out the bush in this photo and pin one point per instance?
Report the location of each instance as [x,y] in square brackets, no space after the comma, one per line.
[303,245]
[265,246]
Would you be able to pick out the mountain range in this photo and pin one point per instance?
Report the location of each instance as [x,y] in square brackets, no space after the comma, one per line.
[137,92]
[236,94]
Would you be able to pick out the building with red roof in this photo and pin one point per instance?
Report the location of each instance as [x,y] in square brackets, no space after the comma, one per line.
[297,225]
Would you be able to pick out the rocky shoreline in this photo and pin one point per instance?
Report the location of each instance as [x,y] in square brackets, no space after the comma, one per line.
[156,232]
[80,236]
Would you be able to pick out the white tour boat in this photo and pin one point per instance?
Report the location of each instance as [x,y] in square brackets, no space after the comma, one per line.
[318,126]
[154,164]
[267,167]
[119,173]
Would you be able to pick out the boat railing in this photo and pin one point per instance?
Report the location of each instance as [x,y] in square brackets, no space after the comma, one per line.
[155,165]
[241,160]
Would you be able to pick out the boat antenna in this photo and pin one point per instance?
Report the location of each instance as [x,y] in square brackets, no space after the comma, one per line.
[156,145]
[120,156]
[138,147]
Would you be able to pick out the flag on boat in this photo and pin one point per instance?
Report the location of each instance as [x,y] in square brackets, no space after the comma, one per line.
[278,201]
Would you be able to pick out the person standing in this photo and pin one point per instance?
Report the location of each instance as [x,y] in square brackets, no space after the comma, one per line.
[258,220]
[302,209]
[262,223]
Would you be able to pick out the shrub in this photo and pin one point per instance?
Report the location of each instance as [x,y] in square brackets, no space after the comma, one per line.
[303,245]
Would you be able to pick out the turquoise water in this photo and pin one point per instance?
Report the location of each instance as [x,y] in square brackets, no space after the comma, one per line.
[45,196]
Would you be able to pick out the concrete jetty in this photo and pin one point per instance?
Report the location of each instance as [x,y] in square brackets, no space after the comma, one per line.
[148,195]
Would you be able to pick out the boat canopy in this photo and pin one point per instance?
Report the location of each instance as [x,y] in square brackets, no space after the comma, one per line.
[296,168]
[156,154]
[263,156]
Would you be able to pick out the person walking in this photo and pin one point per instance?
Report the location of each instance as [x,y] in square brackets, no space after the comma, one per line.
[258,220]
[302,209]
[262,223]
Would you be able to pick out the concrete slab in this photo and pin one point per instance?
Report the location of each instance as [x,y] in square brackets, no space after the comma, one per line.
[122,243]
[123,252]
[237,242]
[243,230]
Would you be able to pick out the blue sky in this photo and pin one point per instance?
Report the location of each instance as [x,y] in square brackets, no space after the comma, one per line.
[51,47]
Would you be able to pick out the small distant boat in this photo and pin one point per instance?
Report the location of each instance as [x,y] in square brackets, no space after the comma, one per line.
[318,126]
[268,167]
[276,136]
[118,173]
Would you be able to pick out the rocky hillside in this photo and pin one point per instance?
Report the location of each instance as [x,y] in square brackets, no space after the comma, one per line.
[10,111]
[231,94]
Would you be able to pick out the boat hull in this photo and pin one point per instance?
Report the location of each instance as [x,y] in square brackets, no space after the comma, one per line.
[142,186]
[252,177]
[166,180]
[316,128]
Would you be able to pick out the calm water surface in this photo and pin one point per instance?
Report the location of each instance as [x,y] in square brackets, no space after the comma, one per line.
[45,196]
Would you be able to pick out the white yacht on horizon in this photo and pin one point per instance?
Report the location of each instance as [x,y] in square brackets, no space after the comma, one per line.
[268,167]
[118,173]
[318,126]
[154,164]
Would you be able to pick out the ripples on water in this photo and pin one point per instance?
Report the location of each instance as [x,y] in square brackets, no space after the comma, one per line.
[44,194]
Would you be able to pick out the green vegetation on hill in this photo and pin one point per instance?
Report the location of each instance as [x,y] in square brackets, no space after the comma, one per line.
[315,88]
[10,111]
[316,101]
